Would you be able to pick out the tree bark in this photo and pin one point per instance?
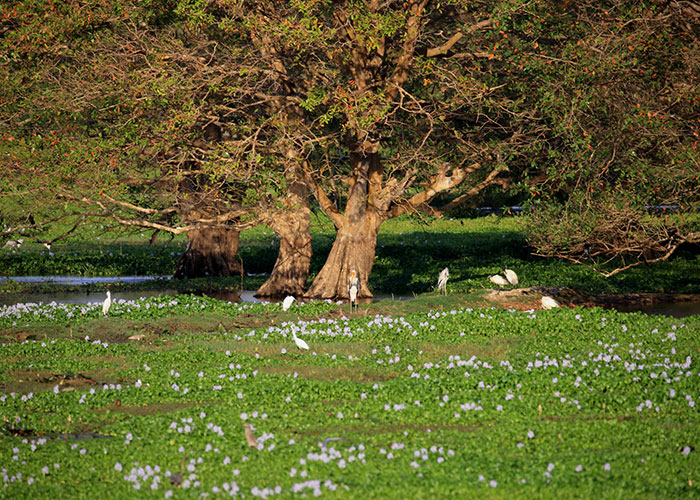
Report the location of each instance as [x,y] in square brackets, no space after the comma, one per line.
[291,269]
[356,241]
[292,225]
[210,252]
[353,249]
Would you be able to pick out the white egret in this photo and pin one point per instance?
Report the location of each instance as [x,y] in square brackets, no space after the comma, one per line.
[353,288]
[14,243]
[498,280]
[287,302]
[47,245]
[549,303]
[511,276]
[300,343]
[107,303]
[442,281]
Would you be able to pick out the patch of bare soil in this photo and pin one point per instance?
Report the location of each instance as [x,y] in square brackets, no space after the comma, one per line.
[529,298]
[25,381]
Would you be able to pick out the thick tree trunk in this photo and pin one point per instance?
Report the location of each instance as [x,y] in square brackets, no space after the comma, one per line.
[356,240]
[291,269]
[353,249]
[210,252]
[292,224]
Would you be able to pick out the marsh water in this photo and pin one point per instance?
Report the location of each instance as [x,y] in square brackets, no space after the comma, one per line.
[674,309]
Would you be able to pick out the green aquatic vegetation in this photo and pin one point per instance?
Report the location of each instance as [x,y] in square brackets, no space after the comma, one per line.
[409,256]
[140,309]
[447,403]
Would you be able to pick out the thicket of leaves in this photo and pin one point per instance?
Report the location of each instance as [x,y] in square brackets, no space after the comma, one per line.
[166,103]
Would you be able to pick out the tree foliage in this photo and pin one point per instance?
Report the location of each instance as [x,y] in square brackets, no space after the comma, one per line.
[178,115]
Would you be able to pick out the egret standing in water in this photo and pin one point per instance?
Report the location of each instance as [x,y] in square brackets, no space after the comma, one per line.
[353,289]
[511,276]
[442,281]
[107,303]
[287,302]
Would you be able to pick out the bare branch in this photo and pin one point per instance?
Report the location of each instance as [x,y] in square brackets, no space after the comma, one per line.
[441,182]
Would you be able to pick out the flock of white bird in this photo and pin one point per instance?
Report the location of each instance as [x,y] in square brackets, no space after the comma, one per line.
[509,278]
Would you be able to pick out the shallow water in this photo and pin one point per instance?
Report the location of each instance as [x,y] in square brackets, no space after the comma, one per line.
[82,280]
[674,309]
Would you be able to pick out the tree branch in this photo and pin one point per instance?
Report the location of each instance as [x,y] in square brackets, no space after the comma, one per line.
[490,179]
[445,47]
[326,204]
[441,182]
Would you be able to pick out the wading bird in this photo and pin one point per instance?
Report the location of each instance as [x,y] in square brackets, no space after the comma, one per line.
[549,303]
[511,276]
[300,343]
[442,281]
[107,303]
[498,280]
[287,302]
[14,243]
[353,288]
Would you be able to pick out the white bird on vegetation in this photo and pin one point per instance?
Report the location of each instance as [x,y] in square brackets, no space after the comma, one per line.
[549,303]
[498,280]
[287,303]
[107,303]
[442,281]
[511,276]
[353,289]
[13,243]
[300,343]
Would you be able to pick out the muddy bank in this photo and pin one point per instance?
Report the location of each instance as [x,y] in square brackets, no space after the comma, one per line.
[529,298]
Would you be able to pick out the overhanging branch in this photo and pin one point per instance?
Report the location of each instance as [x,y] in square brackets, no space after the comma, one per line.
[441,182]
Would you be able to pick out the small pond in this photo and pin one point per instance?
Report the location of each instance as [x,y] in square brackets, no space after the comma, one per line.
[91,296]
[675,309]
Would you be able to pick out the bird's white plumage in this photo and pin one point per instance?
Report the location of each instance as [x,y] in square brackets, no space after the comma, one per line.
[287,303]
[300,343]
[549,303]
[499,280]
[14,243]
[353,287]
[353,293]
[511,276]
[442,280]
[107,303]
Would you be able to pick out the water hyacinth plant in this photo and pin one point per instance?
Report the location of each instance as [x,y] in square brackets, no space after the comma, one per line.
[449,403]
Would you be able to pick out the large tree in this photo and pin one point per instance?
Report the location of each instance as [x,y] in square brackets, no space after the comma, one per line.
[155,119]
[617,87]
[359,74]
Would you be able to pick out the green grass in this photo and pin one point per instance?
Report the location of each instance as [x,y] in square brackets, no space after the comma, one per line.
[408,259]
[549,400]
